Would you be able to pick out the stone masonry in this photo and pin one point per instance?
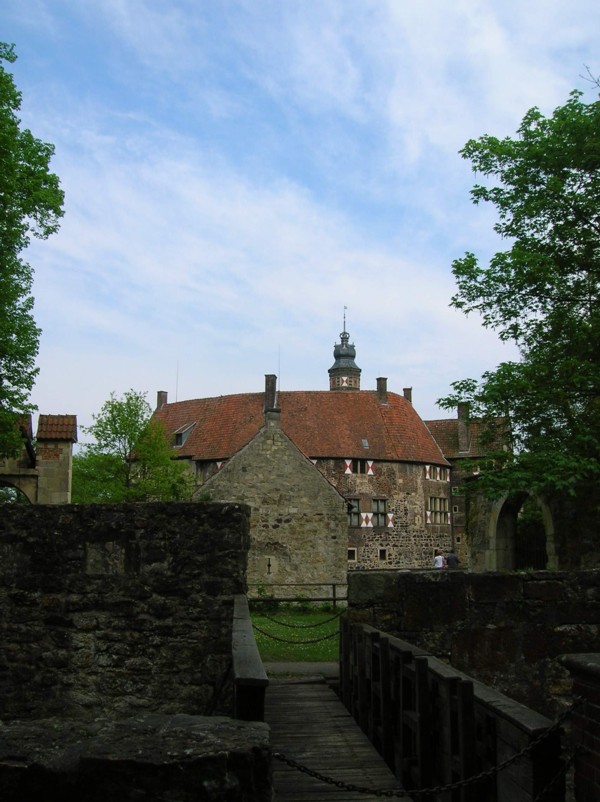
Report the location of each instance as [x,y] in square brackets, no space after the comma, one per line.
[298,525]
[116,610]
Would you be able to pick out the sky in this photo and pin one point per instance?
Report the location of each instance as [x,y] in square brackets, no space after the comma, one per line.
[239,174]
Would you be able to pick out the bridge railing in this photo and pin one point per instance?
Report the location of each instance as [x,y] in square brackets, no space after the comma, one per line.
[249,676]
[438,728]
[331,592]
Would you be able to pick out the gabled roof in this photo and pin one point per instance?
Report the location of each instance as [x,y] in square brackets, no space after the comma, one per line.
[57,427]
[320,424]
[445,433]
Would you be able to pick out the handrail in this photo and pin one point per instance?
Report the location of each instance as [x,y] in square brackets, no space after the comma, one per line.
[250,679]
[438,728]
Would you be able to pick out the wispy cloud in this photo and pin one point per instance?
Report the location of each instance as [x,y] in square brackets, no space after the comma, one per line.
[238,172]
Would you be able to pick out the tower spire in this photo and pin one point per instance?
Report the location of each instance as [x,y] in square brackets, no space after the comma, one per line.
[344,374]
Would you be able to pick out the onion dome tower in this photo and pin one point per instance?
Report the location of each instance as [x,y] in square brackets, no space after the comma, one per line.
[344,373]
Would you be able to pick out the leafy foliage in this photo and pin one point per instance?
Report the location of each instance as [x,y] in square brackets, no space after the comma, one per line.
[131,458]
[31,204]
[543,293]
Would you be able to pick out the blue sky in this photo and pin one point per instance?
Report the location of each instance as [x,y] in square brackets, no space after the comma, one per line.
[237,172]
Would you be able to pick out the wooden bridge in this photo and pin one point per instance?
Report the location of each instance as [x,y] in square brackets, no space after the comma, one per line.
[437,730]
[310,725]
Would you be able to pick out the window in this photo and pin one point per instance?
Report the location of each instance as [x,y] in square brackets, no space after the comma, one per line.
[360,466]
[437,473]
[383,554]
[181,435]
[351,555]
[437,510]
[353,512]
[379,509]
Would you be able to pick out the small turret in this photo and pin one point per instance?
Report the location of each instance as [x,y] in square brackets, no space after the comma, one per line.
[344,374]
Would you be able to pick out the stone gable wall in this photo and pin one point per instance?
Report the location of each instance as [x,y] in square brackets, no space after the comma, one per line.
[299,521]
[506,629]
[117,610]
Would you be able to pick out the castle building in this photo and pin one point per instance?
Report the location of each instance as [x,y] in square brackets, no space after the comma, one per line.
[42,472]
[337,480]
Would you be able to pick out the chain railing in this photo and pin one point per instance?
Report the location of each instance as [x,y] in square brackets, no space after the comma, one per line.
[289,625]
[438,790]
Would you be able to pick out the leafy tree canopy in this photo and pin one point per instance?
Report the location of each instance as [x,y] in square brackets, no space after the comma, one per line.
[31,204]
[543,293]
[131,458]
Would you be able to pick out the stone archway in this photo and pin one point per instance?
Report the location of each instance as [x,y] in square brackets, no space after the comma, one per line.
[508,550]
[13,494]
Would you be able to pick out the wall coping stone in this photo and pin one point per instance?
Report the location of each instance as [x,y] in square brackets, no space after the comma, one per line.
[135,755]
[588,664]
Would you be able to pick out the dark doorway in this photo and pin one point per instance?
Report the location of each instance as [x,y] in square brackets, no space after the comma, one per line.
[530,537]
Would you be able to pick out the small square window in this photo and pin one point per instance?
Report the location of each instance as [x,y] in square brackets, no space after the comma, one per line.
[351,555]
[383,554]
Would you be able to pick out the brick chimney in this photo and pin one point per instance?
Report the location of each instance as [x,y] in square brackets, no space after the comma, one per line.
[161,398]
[382,390]
[408,394]
[464,438]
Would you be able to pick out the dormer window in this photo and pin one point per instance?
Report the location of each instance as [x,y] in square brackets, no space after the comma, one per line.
[182,434]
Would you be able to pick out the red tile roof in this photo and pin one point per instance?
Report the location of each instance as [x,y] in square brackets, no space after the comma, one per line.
[320,423]
[445,433]
[57,427]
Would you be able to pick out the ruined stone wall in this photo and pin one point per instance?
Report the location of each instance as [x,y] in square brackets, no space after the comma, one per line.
[407,540]
[298,521]
[505,629]
[116,610]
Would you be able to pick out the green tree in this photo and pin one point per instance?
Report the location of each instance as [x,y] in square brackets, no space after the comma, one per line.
[543,293]
[31,204]
[131,458]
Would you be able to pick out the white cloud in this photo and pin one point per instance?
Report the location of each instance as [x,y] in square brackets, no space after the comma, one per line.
[236,173]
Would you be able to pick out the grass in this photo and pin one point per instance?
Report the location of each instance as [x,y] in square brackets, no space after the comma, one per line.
[273,629]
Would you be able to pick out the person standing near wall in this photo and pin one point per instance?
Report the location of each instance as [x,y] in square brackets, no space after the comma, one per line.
[439,561]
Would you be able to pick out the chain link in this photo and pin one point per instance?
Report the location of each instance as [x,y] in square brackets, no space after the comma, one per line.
[441,789]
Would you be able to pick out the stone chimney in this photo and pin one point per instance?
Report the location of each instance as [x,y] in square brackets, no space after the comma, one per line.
[464,439]
[270,391]
[161,398]
[382,390]
[408,394]
[272,412]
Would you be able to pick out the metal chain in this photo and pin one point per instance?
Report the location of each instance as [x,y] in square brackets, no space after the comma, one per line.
[440,789]
[299,642]
[301,626]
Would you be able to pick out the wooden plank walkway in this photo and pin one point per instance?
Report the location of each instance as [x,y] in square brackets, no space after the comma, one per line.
[310,725]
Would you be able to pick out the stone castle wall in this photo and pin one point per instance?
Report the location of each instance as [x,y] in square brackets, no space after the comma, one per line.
[507,630]
[409,541]
[118,610]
